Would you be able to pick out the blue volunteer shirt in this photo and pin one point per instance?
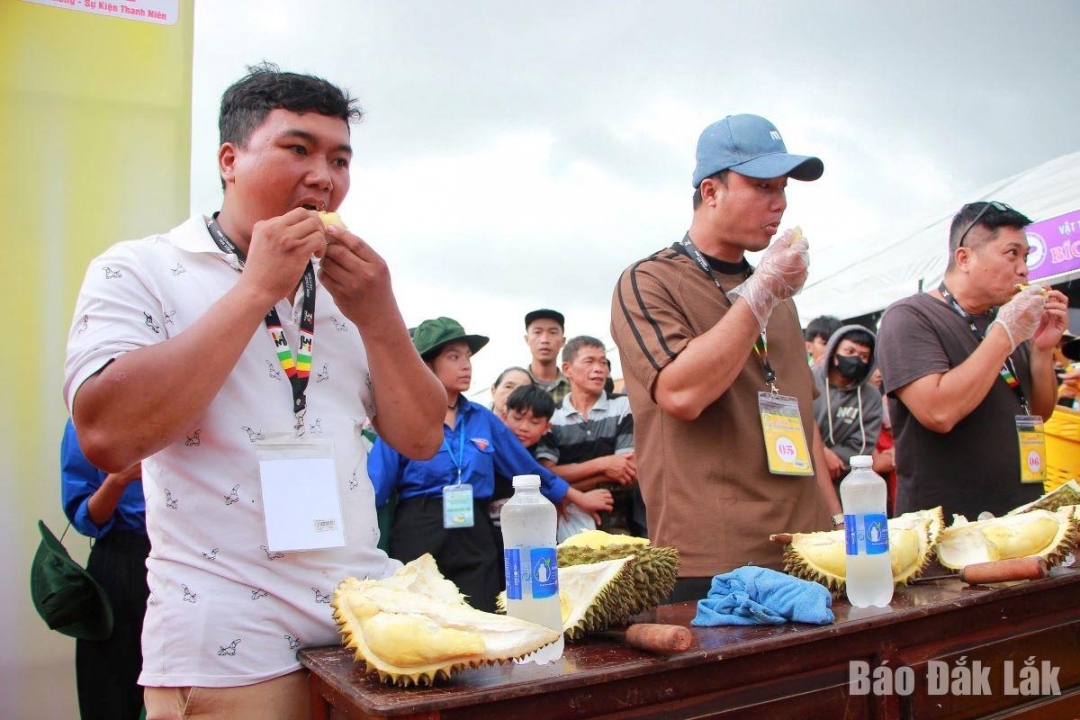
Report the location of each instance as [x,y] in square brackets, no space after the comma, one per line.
[79,480]
[479,442]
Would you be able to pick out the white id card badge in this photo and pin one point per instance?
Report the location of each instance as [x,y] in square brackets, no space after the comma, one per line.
[457,506]
[301,501]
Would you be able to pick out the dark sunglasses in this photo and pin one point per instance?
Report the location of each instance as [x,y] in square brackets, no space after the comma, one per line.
[999,206]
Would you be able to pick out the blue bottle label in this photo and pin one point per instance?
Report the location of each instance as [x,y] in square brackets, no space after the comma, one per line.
[866,534]
[877,534]
[545,572]
[512,563]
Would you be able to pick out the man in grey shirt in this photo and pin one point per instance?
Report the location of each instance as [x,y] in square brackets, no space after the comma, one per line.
[961,362]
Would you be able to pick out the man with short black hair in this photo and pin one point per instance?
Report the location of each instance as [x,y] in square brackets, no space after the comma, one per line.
[238,356]
[817,334]
[545,334]
[960,365]
[691,322]
[591,443]
[847,408]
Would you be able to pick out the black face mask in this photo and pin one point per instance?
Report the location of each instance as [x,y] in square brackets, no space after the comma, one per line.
[851,367]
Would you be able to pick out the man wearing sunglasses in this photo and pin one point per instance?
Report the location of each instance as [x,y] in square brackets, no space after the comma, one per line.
[962,365]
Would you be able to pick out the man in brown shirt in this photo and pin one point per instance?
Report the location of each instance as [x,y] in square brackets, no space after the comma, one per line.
[693,374]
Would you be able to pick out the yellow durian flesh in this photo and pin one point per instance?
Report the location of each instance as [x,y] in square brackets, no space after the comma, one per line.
[1050,535]
[412,638]
[331,218]
[599,539]
[395,636]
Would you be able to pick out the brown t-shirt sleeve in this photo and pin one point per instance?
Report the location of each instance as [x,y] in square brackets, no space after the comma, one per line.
[908,348]
[647,323]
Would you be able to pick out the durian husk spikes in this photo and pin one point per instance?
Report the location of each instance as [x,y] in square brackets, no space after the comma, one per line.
[821,556]
[1066,494]
[1049,535]
[413,629]
[593,596]
[655,569]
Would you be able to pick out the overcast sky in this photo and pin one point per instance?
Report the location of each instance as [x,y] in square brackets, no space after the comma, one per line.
[520,155]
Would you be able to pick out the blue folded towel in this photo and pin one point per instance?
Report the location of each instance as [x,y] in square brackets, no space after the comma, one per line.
[759,596]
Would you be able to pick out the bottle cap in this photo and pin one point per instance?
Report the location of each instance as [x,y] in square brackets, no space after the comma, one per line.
[526,481]
[861,461]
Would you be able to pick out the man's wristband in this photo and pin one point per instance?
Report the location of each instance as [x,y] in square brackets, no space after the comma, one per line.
[837,519]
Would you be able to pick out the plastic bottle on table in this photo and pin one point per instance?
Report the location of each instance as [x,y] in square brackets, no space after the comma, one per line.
[869,569]
[532,573]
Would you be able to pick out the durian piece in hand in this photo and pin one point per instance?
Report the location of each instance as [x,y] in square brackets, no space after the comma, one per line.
[332,218]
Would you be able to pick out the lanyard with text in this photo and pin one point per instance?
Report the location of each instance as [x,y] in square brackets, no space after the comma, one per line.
[298,371]
[1008,370]
[761,347]
[786,450]
[459,461]
[458,499]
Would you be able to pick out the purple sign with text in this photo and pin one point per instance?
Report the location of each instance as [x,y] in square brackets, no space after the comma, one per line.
[1055,246]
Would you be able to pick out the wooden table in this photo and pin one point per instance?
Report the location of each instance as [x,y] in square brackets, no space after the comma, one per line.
[784,671]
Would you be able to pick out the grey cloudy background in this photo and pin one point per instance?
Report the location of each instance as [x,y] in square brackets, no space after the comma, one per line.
[518,155]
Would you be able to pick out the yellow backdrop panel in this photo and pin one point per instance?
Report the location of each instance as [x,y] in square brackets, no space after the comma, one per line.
[95,144]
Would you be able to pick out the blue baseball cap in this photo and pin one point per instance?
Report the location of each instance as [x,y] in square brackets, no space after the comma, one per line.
[751,146]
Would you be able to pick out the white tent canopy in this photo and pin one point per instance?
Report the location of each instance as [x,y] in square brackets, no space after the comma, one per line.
[891,270]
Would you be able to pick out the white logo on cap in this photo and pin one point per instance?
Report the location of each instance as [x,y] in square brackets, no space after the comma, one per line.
[775,135]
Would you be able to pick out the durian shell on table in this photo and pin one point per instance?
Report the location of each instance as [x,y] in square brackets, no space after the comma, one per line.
[1067,494]
[655,569]
[1048,534]
[821,556]
[593,596]
[413,628]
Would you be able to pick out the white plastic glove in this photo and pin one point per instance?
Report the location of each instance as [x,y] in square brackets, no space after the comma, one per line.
[1021,315]
[779,276]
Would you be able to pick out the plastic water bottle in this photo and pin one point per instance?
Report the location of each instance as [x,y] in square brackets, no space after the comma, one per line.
[532,572]
[869,569]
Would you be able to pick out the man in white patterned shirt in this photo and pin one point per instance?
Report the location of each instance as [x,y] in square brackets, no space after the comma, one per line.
[169,363]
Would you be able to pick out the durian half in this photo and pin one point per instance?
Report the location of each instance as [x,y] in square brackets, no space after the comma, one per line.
[413,629]
[821,556]
[1050,535]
